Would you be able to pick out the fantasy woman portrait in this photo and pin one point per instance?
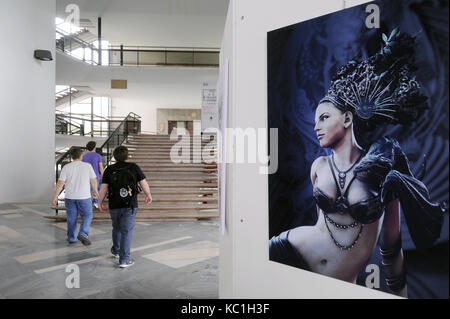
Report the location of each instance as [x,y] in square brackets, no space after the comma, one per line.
[361,187]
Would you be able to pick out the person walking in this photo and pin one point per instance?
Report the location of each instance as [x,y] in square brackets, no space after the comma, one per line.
[77,178]
[122,182]
[96,160]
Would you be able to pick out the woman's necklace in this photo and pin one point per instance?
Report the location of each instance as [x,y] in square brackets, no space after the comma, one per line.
[342,175]
[353,225]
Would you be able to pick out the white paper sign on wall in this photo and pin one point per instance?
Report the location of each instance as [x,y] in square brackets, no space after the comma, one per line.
[209,106]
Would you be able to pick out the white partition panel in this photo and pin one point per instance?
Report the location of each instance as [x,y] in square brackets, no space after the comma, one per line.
[245,269]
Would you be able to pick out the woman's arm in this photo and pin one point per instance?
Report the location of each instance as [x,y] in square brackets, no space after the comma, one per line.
[391,249]
[314,167]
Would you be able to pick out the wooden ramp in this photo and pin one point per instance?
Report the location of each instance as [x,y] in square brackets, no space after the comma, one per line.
[180,190]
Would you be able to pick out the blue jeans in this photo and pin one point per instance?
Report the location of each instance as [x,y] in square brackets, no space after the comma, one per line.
[73,207]
[123,224]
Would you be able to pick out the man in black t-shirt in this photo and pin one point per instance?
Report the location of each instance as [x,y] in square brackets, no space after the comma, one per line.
[123,202]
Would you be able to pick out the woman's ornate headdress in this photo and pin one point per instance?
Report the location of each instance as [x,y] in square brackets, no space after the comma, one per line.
[381,89]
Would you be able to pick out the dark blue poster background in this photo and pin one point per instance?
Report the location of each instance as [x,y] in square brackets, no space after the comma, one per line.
[302,58]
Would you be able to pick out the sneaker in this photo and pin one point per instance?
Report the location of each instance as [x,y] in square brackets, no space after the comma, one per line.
[84,240]
[115,255]
[96,205]
[129,263]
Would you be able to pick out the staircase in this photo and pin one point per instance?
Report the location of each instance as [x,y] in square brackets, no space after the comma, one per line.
[72,95]
[70,42]
[184,191]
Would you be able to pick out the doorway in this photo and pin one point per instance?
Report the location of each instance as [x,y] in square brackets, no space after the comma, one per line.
[188,125]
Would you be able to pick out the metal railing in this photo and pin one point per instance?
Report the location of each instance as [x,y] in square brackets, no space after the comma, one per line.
[120,55]
[67,43]
[66,127]
[85,124]
[145,55]
[66,92]
[130,125]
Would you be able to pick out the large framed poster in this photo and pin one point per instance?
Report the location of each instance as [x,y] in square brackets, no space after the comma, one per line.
[360,100]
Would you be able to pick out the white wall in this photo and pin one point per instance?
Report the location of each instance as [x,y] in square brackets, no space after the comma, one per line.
[149,87]
[27,95]
[63,141]
[245,269]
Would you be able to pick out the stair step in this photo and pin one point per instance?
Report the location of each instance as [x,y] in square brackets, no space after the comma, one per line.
[158,151]
[168,143]
[169,163]
[164,165]
[183,185]
[151,169]
[206,178]
[153,207]
[156,191]
[173,158]
[167,159]
[178,200]
[153,216]
[153,136]
[191,151]
[178,177]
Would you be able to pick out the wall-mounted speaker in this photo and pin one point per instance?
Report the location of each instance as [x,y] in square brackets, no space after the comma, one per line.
[43,55]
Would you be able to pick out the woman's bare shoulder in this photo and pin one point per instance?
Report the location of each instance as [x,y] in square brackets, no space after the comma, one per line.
[318,162]
[316,165]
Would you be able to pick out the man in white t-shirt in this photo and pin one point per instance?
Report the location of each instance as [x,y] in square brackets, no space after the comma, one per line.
[78,177]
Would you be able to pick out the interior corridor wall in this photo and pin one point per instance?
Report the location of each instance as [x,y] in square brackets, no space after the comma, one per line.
[27,101]
[245,269]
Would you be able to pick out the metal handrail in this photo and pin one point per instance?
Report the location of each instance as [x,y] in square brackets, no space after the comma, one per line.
[76,39]
[87,119]
[71,90]
[160,48]
[81,42]
[79,121]
[140,50]
[59,118]
[131,117]
[68,114]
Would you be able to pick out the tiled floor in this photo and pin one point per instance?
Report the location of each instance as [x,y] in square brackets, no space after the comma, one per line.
[173,259]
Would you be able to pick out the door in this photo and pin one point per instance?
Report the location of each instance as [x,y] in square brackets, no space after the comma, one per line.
[172,125]
[190,127]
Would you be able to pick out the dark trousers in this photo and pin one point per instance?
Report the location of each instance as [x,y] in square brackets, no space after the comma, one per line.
[123,224]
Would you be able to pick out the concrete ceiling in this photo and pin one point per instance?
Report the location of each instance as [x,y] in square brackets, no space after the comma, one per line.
[167,23]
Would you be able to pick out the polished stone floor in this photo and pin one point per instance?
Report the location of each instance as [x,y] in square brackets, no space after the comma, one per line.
[173,259]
